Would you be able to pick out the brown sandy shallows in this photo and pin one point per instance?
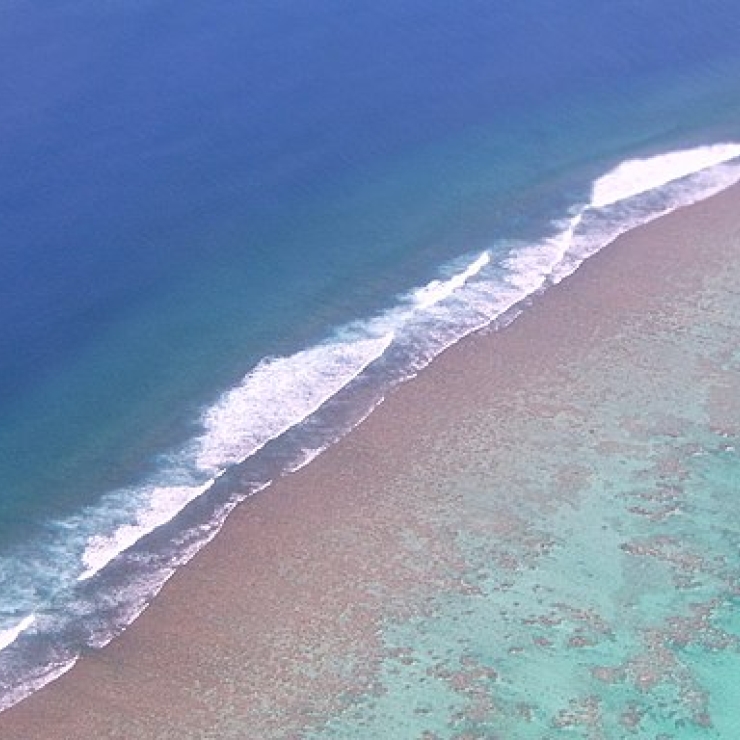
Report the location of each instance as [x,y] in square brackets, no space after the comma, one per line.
[275,624]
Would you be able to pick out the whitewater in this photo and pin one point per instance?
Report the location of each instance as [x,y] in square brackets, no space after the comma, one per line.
[96,571]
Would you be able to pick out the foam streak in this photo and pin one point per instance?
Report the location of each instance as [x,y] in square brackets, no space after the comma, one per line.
[9,636]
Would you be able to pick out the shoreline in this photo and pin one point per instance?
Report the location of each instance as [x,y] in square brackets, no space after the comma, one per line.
[275,625]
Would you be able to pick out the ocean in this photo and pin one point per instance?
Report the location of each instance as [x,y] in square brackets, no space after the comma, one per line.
[229,231]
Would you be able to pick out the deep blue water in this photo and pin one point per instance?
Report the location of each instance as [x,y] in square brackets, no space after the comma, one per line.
[188,188]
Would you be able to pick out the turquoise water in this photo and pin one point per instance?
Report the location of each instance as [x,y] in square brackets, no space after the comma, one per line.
[599,594]
[219,223]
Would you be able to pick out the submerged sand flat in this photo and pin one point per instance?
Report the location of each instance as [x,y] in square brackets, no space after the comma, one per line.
[537,537]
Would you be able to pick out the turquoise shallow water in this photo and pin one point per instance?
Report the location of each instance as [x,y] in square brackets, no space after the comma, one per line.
[599,539]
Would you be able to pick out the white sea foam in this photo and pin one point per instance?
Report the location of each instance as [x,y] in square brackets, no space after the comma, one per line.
[630,195]
[278,394]
[633,193]
[10,635]
[34,682]
[274,397]
[636,176]
[437,290]
[160,505]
